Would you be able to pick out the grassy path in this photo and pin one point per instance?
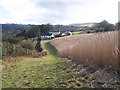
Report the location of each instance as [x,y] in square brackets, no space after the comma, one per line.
[46,72]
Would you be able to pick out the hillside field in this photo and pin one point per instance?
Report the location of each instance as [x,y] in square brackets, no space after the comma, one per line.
[99,50]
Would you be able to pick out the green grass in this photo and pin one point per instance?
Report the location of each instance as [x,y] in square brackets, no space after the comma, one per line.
[46,72]
[81,25]
[80,32]
[83,32]
[0,50]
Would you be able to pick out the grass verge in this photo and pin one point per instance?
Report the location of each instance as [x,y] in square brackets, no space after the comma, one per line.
[49,71]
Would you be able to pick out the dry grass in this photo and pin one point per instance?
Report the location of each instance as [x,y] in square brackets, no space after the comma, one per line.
[99,49]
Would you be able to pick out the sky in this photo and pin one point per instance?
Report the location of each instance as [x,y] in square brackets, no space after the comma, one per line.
[58,11]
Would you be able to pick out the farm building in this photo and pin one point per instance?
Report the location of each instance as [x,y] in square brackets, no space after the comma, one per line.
[66,33]
[47,36]
[55,33]
[52,35]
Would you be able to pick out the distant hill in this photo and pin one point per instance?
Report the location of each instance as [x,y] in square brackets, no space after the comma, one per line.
[83,24]
[14,28]
[6,27]
[65,28]
[74,27]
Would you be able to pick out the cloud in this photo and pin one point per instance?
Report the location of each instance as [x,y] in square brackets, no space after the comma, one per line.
[21,10]
[4,13]
[58,11]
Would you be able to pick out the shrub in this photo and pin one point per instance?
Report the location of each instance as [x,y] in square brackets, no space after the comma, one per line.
[88,31]
[14,47]
[13,50]
[27,45]
[12,40]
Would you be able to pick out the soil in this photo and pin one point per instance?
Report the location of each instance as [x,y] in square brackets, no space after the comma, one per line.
[97,77]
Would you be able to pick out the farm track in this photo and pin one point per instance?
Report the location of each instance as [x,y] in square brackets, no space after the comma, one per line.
[51,71]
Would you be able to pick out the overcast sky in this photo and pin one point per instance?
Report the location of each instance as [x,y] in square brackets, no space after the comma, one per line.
[58,11]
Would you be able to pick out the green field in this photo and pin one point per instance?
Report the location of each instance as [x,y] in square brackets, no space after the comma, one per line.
[79,32]
[46,72]
[83,32]
[83,25]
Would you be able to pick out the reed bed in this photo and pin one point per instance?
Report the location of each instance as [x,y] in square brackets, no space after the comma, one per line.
[97,49]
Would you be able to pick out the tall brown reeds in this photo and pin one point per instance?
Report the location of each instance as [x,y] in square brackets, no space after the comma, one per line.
[98,49]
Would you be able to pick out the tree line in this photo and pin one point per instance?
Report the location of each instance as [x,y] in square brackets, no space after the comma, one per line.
[36,31]
[105,26]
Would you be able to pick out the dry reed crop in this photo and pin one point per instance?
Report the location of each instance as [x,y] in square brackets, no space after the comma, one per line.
[97,49]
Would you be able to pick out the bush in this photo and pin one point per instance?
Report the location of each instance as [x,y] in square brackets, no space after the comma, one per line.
[12,40]
[88,31]
[13,50]
[27,45]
